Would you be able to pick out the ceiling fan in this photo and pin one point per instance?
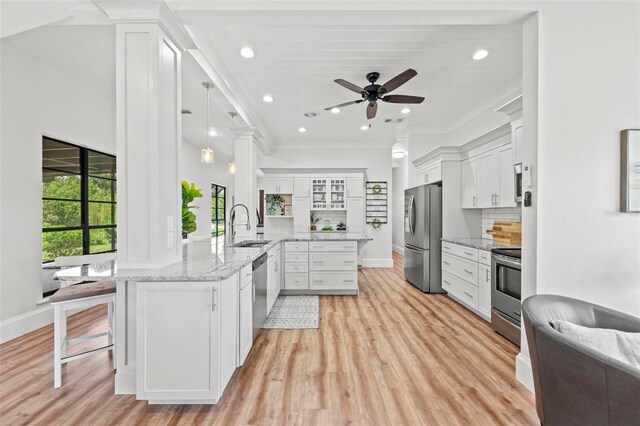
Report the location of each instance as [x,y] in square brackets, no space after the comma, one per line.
[374,92]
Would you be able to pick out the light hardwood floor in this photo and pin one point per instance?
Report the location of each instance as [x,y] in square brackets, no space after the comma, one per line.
[392,356]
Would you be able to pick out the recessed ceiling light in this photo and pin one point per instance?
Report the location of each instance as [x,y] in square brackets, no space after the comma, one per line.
[335,110]
[267,98]
[302,130]
[480,54]
[364,127]
[247,52]
[405,110]
[213,132]
[310,114]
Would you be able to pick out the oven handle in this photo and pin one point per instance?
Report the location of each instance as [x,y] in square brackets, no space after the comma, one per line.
[502,260]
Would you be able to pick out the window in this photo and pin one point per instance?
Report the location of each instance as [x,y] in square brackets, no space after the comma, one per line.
[78,200]
[218,203]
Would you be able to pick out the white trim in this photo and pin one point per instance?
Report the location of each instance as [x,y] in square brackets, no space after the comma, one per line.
[22,324]
[377,263]
[524,374]
[398,249]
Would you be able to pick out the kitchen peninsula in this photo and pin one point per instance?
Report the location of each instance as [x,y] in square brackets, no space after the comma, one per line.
[180,328]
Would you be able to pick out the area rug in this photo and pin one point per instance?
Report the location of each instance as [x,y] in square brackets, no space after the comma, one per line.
[294,312]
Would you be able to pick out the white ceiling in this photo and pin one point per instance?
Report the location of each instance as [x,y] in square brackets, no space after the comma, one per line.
[86,53]
[299,54]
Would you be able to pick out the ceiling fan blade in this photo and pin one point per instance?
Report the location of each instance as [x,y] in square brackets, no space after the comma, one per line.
[398,81]
[372,109]
[403,99]
[344,104]
[350,86]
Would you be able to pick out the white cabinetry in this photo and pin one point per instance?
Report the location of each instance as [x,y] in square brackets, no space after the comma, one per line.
[355,215]
[246,314]
[175,365]
[434,173]
[355,187]
[466,276]
[495,179]
[516,138]
[302,187]
[278,185]
[301,212]
[469,177]
[273,277]
[296,265]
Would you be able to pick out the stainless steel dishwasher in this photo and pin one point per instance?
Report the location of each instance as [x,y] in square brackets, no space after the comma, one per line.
[259,268]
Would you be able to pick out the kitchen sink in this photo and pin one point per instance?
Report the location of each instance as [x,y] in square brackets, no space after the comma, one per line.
[251,243]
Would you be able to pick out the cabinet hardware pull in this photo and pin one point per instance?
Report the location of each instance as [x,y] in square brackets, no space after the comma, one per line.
[468,272]
[348,261]
[488,275]
[446,282]
[213,299]
[468,295]
[318,281]
[446,247]
[468,253]
[348,281]
[446,263]
[474,200]
[318,261]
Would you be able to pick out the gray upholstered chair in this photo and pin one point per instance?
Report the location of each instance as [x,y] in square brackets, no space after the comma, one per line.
[576,385]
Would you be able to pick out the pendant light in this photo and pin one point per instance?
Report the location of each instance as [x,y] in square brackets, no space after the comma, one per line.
[207,155]
[232,165]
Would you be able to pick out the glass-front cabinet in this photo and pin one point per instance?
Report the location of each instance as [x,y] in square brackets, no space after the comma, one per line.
[319,191]
[337,194]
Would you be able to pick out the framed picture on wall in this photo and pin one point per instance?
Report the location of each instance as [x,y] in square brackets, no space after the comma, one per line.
[630,170]
[287,210]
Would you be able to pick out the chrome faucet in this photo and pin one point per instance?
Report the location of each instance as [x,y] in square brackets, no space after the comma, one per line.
[232,225]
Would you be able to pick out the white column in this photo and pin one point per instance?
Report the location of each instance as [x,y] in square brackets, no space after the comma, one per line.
[246,191]
[148,98]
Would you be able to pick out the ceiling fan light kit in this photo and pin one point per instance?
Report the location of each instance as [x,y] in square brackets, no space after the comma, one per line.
[374,92]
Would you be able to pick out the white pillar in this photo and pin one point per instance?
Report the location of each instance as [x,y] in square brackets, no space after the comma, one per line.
[149,133]
[246,191]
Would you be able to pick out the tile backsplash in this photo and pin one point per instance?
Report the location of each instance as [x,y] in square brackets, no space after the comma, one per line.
[489,216]
[334,217]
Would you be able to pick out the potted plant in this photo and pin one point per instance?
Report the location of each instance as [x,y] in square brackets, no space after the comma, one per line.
[274,204]
[189,193]
[314,220]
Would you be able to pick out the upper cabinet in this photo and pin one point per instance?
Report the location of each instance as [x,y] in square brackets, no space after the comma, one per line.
[301,187]
[278,185]
[488,179]
[469,186]
[355,187]
[516,137]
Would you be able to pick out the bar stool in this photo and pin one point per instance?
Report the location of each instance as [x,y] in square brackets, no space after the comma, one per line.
[79,297]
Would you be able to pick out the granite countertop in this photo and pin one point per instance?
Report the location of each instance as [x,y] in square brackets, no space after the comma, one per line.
[480,243]
[201,261]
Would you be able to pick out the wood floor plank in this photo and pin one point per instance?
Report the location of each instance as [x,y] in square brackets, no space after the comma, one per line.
[390,356]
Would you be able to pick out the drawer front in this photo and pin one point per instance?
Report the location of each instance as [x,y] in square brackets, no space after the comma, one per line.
[333,261]
[246,275]
[468,294]
[484,257]
[463,291]
[462,268]
[296,281]
[333,246]
[333,280]
[462,251]
[448,283]
[296,246]
[296,257]
[296,267]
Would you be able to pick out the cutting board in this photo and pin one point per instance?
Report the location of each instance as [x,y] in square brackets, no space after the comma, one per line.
[506,232]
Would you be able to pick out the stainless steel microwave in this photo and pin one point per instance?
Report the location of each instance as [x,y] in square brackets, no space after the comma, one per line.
[517,175]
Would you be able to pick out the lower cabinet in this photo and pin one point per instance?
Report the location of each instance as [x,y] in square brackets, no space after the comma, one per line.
[186,339]
[273,277]
[247,292]
[466,276]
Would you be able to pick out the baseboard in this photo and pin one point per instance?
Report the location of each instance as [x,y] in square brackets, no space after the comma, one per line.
[524,374]
[377,263]
[22,324]
[398,249]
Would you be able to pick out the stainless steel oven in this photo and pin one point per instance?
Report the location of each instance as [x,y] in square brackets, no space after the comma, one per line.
[506,292]
[517,175]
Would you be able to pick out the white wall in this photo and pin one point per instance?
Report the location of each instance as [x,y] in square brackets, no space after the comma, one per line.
[377,161]
[37,100]
[588,90]
[204,175]
[400,176]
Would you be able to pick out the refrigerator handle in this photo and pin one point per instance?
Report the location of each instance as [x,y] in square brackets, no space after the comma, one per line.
[412,210]
[410,214]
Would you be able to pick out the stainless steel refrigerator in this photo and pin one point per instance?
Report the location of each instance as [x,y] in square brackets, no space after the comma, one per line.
[422,237]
